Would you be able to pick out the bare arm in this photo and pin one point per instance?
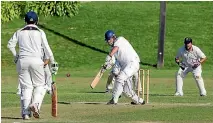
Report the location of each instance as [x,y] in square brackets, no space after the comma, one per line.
[46,61]
[202,60]
[201,55]
[113,51]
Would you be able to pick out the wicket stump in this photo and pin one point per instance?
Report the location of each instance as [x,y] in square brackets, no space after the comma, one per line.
[145,76]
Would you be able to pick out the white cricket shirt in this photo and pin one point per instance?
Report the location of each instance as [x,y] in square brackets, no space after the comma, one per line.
[30,43]
[190,57]
[125,53]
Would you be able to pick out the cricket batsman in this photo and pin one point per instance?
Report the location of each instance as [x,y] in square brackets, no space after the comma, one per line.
[189,58]
[128,60]
[111,79]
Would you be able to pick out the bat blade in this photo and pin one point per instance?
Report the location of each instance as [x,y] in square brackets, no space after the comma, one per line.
[96,79]
[54,97]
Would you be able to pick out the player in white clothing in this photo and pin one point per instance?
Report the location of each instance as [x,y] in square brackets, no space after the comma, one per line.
[47,73]
[129,65]
[189,58]
[111,79]
[29,64]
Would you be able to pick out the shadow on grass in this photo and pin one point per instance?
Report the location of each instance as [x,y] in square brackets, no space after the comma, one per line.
[90,103]
[93,103]
[101,92]
[148,64]
[8,92]
[66,103]
[15,118]
[73,40]
[166,95]
[85,45]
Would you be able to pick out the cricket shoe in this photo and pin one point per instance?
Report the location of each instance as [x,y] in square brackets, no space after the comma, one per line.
[111,102]
[34,109]
[25,117]
[140,103]
[203,95]
[178,94]
[119,96]
[30,115]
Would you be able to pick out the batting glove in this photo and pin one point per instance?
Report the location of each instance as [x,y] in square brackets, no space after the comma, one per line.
[108,58]
[103,70]
[108,63]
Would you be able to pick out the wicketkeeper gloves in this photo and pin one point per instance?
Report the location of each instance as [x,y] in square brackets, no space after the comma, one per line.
[180,64]
[195,65]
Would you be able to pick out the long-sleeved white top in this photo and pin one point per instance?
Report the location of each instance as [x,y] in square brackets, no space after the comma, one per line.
[30,40]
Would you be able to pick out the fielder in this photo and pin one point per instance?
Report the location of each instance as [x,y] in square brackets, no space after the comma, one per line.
[128,60]
[191,59]
[29,64]
[47,73]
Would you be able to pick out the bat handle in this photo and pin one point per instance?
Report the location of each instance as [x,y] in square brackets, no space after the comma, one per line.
[53,78]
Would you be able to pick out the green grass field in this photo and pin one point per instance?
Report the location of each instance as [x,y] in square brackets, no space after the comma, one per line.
[78,46]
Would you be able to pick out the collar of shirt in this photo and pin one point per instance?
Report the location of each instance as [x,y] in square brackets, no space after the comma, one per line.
[32,25]
[189,51]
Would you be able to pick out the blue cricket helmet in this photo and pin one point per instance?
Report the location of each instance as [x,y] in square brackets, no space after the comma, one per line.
[31,17]
[109,34]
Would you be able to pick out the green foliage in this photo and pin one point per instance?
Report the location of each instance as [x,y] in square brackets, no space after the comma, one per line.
[140,25]
[11,10]
[53,8]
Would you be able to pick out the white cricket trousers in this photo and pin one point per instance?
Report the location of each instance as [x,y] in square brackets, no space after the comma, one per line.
[136,82]
[110,81]
[32,81]
[180,75]
[123,83]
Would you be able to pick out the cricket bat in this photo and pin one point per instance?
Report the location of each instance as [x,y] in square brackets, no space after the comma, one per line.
[96,79]
[54,97]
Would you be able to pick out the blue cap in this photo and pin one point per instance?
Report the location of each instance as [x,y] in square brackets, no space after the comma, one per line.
[31,17]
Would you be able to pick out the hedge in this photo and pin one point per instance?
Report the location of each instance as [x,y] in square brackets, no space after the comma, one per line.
[17,9]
